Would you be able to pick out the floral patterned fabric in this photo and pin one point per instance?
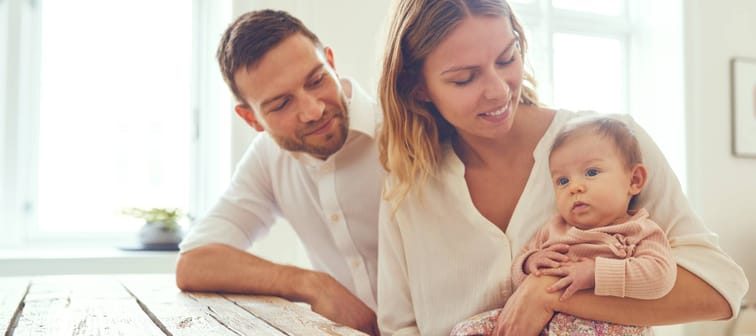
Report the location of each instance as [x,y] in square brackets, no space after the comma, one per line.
[483,324]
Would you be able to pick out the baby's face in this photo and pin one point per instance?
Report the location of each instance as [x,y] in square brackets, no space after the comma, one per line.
[592,184]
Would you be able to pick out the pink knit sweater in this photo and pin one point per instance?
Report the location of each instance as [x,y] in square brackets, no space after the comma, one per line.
[633,259]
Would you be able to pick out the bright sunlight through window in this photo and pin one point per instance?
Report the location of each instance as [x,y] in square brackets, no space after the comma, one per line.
[114,123]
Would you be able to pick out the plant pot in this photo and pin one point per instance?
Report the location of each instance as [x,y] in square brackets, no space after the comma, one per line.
[158,235]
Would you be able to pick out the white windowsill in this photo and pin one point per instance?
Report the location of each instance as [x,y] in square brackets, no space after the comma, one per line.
[43,261]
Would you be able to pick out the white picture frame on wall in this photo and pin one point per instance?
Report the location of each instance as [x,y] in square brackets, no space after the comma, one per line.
[743,75]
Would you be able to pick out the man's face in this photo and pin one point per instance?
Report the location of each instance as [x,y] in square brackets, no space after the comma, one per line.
[294,94]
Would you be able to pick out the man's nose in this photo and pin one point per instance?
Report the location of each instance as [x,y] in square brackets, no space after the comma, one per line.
[312,109]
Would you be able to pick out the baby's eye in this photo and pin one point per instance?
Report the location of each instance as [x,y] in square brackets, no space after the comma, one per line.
[562,181]
[591,172]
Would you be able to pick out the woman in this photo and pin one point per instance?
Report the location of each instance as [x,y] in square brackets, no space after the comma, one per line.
[466,145]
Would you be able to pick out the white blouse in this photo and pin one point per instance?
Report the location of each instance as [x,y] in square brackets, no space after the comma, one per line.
[440,261]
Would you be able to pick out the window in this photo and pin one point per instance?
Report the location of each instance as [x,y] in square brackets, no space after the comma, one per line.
[114,114]
[612,56]
[107,115]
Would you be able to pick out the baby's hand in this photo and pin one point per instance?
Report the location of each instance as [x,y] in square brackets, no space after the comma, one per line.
[551,257]
[576,276]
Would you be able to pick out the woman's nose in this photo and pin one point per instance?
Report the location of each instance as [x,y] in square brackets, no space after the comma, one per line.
[496,86]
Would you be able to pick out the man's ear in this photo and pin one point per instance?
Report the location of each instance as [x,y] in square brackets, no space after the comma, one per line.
[638,178]
[329,57]
[248,115]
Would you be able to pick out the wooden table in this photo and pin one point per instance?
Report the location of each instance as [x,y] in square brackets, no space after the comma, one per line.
[146,305]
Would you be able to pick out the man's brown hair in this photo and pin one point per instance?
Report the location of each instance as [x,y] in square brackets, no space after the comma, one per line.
[251,36]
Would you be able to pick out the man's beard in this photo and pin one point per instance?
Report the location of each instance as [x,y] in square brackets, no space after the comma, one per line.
[332,141]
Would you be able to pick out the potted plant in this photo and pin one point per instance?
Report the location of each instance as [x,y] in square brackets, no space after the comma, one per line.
[161,229]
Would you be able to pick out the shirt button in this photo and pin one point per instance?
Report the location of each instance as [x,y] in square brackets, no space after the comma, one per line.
[327,168]
[356,262]
[335,217]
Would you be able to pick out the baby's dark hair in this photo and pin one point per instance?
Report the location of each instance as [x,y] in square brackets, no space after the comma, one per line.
[615,130]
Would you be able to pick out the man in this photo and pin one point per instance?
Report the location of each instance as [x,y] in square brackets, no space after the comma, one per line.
[316,165]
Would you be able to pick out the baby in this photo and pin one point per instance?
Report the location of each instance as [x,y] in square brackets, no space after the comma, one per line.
[596,241]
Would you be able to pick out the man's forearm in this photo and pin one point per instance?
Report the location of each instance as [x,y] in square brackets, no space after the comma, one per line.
[691,299]
[221,268]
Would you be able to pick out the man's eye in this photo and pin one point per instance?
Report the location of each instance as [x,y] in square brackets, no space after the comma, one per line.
[281,106]
[591,172]
[562,181]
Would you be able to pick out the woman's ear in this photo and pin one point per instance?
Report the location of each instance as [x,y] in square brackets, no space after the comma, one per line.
[421,94]
[638,178]
[249,117]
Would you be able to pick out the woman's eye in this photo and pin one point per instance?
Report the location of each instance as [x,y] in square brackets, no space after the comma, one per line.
[562,181]
[317,80]
[506,62]
[591,172]
[464,81]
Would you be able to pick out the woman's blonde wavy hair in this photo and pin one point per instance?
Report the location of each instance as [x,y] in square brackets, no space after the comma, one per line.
[413,131]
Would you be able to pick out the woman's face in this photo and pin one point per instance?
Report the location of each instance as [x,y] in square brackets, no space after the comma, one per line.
[474,77]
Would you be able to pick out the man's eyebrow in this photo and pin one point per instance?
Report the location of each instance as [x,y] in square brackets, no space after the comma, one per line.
[465,67]
[277,97]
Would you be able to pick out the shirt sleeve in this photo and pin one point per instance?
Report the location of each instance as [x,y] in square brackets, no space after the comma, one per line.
[246,210]
[395,313]
[649,273]
[694,246]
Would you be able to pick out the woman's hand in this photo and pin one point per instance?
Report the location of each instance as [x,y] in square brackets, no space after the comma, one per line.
[529,308]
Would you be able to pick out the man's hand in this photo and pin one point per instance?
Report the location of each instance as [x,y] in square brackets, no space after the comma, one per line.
[337,304]
[551,257]
[529,308]
[576,276]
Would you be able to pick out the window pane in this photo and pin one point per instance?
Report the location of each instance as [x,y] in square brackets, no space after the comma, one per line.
[606,7]
[589,73]
[115,120]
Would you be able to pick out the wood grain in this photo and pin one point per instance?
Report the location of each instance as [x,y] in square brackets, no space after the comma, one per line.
[12,291]
[294,319]
[194,313]
[92,305]
[146,304]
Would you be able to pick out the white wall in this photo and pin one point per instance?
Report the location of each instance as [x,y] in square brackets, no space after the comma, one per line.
[722,187]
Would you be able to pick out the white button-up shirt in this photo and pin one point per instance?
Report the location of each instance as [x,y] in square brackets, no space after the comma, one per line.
[332,205]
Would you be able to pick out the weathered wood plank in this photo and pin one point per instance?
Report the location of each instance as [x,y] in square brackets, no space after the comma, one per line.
[12,291]
[82,305]
[292,318]
[193,314]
